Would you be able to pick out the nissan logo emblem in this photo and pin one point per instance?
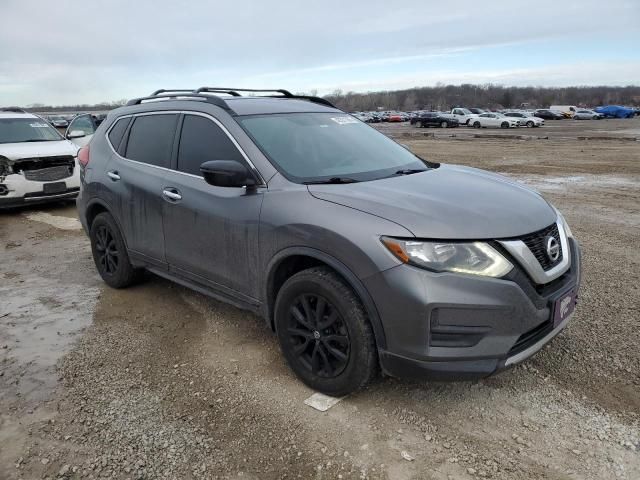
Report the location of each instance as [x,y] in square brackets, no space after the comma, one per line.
[553,248]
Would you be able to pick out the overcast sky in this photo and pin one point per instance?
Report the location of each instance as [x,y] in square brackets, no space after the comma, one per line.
[67,51]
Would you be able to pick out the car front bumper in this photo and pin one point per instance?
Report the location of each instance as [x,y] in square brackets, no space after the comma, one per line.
[18,191]
[445,326]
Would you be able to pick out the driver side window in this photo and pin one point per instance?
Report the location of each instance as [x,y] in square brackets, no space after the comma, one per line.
[201,140]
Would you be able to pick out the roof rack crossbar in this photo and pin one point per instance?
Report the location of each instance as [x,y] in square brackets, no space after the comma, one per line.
[172,90]
[285,93]
[179,96]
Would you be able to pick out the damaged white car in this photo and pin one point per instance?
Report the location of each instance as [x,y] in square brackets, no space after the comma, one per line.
[37,164]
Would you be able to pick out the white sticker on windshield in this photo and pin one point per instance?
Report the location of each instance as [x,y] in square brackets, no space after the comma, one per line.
[344,120]
[39,125]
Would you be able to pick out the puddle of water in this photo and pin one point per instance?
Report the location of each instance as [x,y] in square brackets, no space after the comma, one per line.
[39,319]
[63,223]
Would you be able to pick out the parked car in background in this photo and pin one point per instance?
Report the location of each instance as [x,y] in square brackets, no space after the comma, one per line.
[37,164]
[395,117]
[587,115]
[615,111]
[361,256]
[526,119]
[435,119]
[58,121]
[494,120]
[478,111]
[463,115]
[567,110]
[547,114]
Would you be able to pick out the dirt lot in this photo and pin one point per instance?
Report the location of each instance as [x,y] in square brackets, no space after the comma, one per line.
[160,382]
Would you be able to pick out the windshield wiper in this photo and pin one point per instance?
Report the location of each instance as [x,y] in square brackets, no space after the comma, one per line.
[409,171]
[37,140]
[332,180]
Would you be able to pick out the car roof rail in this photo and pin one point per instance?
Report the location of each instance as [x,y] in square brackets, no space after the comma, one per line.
[201,94]
[283,93]
[181,95]
[13,110]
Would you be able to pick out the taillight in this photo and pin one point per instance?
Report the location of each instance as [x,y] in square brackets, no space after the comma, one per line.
[83,156]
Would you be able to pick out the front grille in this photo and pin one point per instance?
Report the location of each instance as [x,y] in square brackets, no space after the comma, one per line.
[49,174]
[536,242]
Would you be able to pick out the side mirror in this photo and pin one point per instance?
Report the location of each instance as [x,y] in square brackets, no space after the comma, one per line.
[76,134]
[227,173]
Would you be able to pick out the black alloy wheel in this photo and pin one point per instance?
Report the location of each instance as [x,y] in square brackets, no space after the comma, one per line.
[318,335]
[108,255]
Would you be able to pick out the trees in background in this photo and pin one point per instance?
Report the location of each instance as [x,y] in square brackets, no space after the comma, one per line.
[445,97]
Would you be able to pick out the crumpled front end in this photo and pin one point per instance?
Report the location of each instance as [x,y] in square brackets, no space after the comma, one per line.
[38,179]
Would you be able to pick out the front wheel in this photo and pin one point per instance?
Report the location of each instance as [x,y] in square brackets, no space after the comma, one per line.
[530,124]
[324,332]
[110,253]
[444,124]
[477,125]
[505,125]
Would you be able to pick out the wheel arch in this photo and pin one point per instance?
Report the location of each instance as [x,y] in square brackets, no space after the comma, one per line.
[294,259]
[97,206]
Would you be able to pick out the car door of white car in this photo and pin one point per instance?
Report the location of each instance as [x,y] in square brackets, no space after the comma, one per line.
[80,130]
[489,120]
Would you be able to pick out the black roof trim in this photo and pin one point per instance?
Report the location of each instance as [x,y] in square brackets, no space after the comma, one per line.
[13,110]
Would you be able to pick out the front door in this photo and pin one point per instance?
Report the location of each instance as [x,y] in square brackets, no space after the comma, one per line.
[211,233]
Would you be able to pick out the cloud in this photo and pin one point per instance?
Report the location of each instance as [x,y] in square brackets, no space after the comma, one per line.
[72,51]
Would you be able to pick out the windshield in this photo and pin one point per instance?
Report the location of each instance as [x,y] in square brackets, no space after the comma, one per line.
[307,147]
[18,130]
[499,115]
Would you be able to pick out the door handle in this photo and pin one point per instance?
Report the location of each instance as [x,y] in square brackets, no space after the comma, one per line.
[172,194]
[113,175]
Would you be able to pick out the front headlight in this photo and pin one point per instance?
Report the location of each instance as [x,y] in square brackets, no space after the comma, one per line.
[476,258]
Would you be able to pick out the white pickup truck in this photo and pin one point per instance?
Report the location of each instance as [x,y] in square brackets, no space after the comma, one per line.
[463,115]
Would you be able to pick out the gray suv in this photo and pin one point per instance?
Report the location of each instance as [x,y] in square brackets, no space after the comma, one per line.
[360,255]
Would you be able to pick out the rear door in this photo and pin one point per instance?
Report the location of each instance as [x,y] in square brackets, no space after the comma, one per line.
[136,175]
[211,233]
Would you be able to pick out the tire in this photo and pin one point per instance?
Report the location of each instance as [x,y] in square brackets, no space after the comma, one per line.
[530,124]
[110,253]
[444,125]
[504,125]
[477,125]
[339,356]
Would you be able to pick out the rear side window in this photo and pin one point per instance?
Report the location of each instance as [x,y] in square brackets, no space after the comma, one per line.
[117,132]
[151,139]
[202,140]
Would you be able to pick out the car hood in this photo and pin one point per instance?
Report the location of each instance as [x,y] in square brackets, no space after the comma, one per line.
[17,151]
[449,202]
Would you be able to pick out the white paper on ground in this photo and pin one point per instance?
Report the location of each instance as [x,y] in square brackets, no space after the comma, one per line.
[322,402]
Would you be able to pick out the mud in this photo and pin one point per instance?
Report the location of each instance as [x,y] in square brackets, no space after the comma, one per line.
[157,381]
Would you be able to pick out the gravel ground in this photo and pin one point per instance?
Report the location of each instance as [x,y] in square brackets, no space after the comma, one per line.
[157,381]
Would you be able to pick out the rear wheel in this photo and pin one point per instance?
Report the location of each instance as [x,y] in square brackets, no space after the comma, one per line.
[110,253]
[530,124]
[324,332]
[444,124]
[477,125]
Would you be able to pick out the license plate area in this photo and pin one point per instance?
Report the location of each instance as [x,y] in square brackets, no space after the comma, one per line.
[564,306]
[55,187]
